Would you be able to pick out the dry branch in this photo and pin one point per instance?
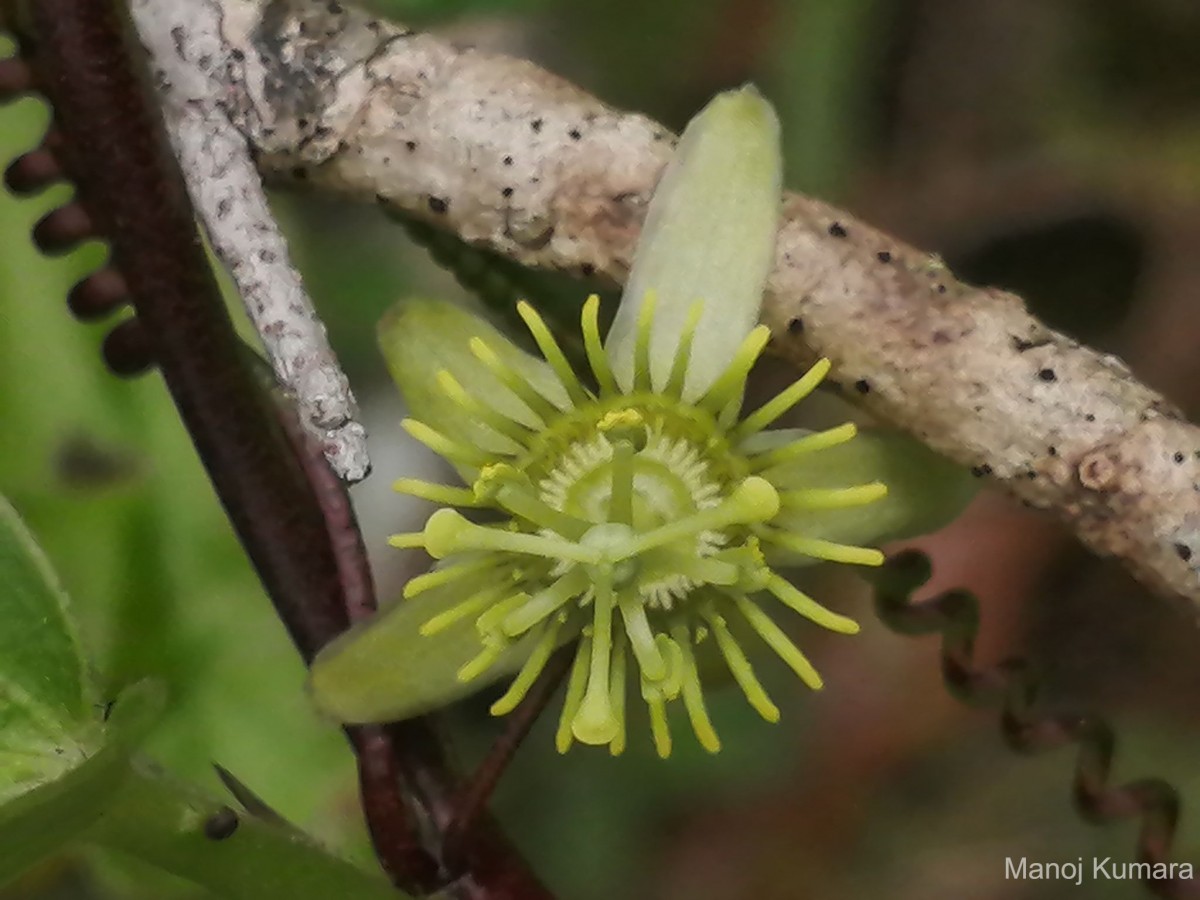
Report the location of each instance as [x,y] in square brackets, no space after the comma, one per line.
[186,54]
[512,158]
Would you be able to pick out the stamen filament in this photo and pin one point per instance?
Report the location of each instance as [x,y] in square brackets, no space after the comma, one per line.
[449,532]
[797,600]
[778,641]
[659,727]
[524,503]
[594,348]
[575,688]
[729,415]
[827,550]
[530,671]
[595,723]
[444,446]
[701,569]
[683,351]
[481,663]
[489,621]
[446,574]
[514,381]
[693,693]
[766,414]
[740,668]
[544,603]
[409,540]
[748,557]
[833,498]
[670,686]
[617,693]
[553,353]
[731,384]
[437,493]
[810,443]
[753,500]
[641,638]
[473,605]
[641,347]
[498,422]
[620,502]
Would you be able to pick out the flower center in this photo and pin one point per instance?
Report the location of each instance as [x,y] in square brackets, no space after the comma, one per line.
[641,476]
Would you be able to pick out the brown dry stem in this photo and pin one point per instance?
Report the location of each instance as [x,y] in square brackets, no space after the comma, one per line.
[510,157]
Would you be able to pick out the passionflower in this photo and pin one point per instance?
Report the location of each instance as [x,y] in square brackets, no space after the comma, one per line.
[630,508]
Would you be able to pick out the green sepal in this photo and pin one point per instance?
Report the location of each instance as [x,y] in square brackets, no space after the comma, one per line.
[385,669]
[924,490]
[709,236]
[420,338]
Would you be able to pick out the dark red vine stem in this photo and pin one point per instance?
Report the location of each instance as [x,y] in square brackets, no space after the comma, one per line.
[289,511]
[471,803]
[114,147]
[396,841]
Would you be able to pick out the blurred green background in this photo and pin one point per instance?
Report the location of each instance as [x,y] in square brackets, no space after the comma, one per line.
[1049,146]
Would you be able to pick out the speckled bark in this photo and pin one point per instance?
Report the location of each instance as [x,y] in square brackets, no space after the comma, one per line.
[193,69]
[512,158]
[973,374]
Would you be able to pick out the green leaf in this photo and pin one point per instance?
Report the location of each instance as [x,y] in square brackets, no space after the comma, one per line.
[66,774]
[40,821]
[46,701]
[59,765]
